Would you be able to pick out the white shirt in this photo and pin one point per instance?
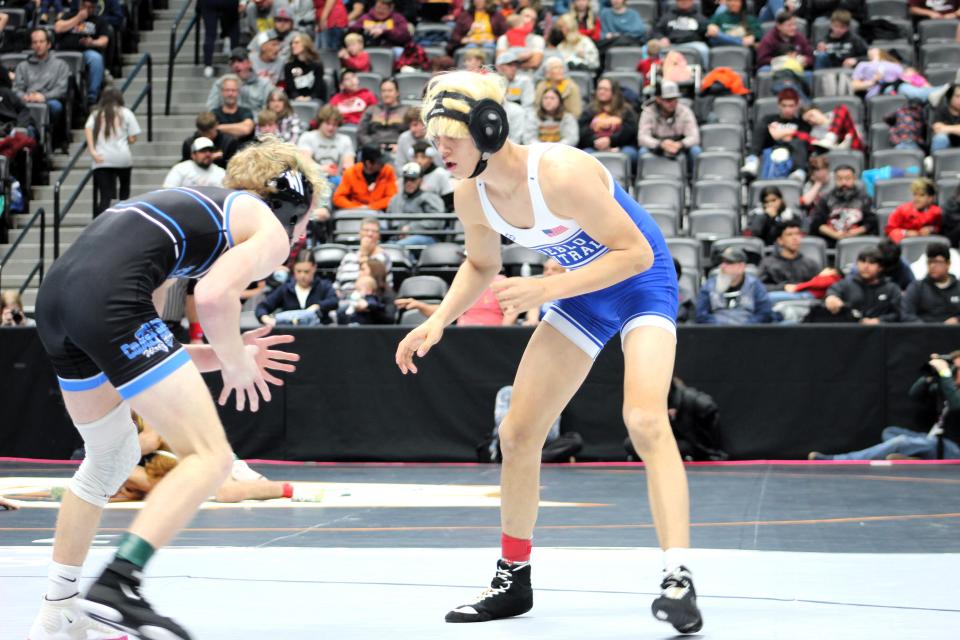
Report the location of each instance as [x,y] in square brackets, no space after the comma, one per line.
[189,174]
[115,149]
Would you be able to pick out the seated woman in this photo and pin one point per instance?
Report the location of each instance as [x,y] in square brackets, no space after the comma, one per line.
[305,300]
[578,51]
[765,218]
[609,123]
[550,122]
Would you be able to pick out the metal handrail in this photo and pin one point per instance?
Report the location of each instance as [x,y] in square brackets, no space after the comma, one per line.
[175,47]
[39,213]
[147,91]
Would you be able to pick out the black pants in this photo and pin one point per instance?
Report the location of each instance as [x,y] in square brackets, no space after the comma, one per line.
[105,184]
[227,12]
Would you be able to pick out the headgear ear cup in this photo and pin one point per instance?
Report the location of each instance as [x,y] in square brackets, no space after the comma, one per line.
[488,125]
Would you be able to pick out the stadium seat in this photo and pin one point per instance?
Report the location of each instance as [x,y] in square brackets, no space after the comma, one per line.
[946,163]
[940,54]
[883,216]
[887,8]
[853,103]
[902,158]
[653,165]
[754,248]
[764,107]
[849,248]
[903,48]
[514,256]
[618,163]
[328,257]
[370,81]
[940,75]
[821,27]
[947,188]
[381,61]
[879,137]
[627,79]
[411,318]
[736,58]
[349,130]
[441,259]
[623,58]
[881,106]
[690,282]
[648,9]
[840,157]
[667,220]
[916,247]
[789,189]
[815,248]
[711,224]
[718,165]
[716,193]
[423,288]
[687,251]
[306,110]
[401,265]
[937,31]
[584,80]
[661,192]
[894,192]
[411,84]
[721,137]
[730,110]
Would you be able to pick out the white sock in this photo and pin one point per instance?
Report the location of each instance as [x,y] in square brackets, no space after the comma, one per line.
[674,557]
[64,581]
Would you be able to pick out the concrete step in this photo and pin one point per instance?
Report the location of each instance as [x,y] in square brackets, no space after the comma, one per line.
[140,178]
[17,269]
[78,217]
[31,242]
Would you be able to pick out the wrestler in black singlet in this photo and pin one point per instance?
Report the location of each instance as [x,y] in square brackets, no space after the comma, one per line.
[95,311]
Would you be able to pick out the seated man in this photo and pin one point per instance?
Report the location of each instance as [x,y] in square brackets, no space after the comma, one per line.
[786,265]
[934,9]
[844,212]
[369,249]
[946,121]
[937,391]
[684,24]
[84,30]
[252,90]
[733,296]
[669,128]
[786,40]
[786,129]
[368,184]
[936,298]
[867,297]
[305,300]
[841,47]
[43,78]
[233,118]
[382,26]
[412,199]
[224,144]
[198,171]
[435,179]
[921,217]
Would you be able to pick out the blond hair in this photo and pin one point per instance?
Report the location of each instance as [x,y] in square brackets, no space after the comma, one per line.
[474,85]
[254,168]
[351,38]
[266,117]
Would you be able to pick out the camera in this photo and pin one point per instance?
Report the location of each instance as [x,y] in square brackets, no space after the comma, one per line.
[927,369]
[16,316]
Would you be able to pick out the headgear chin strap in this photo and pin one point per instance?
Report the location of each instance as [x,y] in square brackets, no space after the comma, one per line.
[486,122]
[292,199]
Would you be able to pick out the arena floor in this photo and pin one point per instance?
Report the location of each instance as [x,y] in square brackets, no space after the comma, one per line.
[783,551]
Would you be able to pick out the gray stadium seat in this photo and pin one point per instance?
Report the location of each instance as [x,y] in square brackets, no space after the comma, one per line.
[940,75]
[584,80]
[514,256]
[840,157]
[716,193]
[764,107]
[879,138]
[441,259]
[815,248]
[629,79]
[648,9]
[937,31]
[306,110]
[879,107]
[687,251]
[718,165]
[328,257]
[821,27]
[423,288]
[711,224]
[903,48]
[661,192]
[883,216]
[894,192]
[946,188]
[916,247]
[653,165]
[853,103]
[789,189]
[753,246]
[618,163]
[736,58]
[667,220]
[849,248]
[411,84]
[623,58]
[887,8]
[349,130]
[411,318]
[946,163]
[721,137]
[381,61]
[730,110]
[370,81]
[940,54]
[902,158]
[346,229]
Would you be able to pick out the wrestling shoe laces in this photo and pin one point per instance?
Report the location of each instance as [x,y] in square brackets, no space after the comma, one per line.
[509,594]
[677,603]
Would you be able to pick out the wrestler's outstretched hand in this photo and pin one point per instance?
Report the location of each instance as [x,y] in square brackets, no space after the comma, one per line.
[268,358]
[419,341]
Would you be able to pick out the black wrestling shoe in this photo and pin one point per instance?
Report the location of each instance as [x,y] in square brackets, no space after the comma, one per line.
[510,594]
[677,603]
[115,600]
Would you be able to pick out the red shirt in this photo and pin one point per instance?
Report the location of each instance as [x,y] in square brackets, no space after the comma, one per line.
[485,312]
[906,218]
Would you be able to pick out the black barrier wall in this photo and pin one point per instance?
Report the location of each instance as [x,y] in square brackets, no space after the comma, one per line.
[782,391]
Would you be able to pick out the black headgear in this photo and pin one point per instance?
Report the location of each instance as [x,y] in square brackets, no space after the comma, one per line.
[292,199]
[486,122]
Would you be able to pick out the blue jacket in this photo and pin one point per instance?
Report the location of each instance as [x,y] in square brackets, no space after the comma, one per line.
[752,306]
[284,298]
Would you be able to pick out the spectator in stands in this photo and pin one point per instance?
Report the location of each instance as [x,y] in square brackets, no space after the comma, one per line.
[227,13]
[45,9]
[474,60]
[946,121]
[266,61]
[289,125]
[845,211]
[478,26]
[352,100]
[363,305]
[951,216]
[199,170]
[412,199]
[784,40]
[669,128]
[331,23]
[303,300]
[609,123]
[415,132]
[921,217]
[382,26]
[252,90]
[780,129]
[519,86]
[842,47]
[224,144]
[687,307]
[284,29]
[893,266]
[232,117]
[303,72]
[868,297]
[352,56]
[257,18]
[85,31]
[733,296]
[765,220]
[369,250]
[267,124]
[818,168]
[368,184]
[382,123]
[554,75]
[579,51]
[550,122]
[485,312]
[522,40]
[11,310]
[872,75]
[620,25]
[934,9]
[733,27]
[786,265]
[935,298]
[333,151]
[435,179]
[588,23]
[835,129]
[110,130]
[684,24]
[42,78]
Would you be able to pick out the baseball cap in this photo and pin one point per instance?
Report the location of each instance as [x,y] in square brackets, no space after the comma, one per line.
[733,255]
[669,90]
[411,170]
[239,53]
[201,143]
[282,14]
[507,57]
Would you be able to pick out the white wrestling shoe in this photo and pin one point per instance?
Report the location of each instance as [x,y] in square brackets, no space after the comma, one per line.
[242,472]
[64,620]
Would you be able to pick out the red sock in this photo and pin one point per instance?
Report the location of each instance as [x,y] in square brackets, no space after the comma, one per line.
[515,549]
[287,490]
